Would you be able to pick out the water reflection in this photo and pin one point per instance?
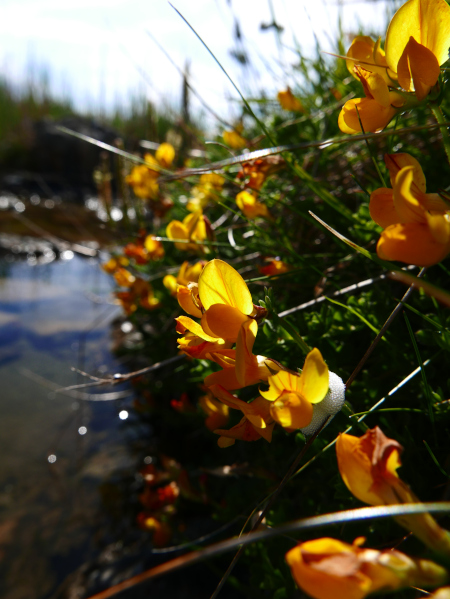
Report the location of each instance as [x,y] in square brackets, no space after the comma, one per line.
[51,468]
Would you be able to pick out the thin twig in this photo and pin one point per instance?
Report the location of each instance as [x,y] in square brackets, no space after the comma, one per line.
[116,379]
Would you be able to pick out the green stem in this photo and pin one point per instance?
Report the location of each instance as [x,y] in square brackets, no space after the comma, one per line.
[438,115]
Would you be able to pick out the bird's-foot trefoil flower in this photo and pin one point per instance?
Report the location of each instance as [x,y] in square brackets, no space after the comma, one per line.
[304,401]
[208,188]
[417,42]
[289,102]
[331,569]
[416,224]
[194,228]
[240,368]
[368,466]
[188,273]
[226,302]
[255,424]
[250,206]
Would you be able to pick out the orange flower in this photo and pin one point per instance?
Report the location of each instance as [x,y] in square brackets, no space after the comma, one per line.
[217,412]
[288,101]
[274,267]
[250,206]
[255,424]
[330,569]
[240,368]
[255,172]
[416,224]
[368,466]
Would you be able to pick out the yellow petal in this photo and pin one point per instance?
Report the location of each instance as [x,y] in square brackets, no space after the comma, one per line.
[165,155]
[176,230]
[374,117]
[395,163]
[406,203]
[439,227]
[412,243]
[184,297]
[224,321]
[244,347]
[195,328]
[418,69]
[427,21]
[220,283]
[291,411]
[375,87]
[314,377]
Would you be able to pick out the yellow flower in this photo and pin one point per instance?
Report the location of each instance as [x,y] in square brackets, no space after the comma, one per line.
[288,101]
[234,139]
[240,368]
[368,466]
[193,228]
[209,186]
[368,54]
[165,155]
[225,300]
[416,224]
[292,396]
[375,110]
[155,249]
[144,179]
[217,412]
[330,569]
[255,424]
[250,206]
[188,273]
[417,42]
[195,343]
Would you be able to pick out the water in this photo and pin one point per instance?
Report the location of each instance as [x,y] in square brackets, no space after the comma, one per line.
[55,448]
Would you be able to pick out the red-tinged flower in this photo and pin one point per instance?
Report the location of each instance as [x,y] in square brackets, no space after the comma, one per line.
[274,267]
[240,368]
[368,466]
[331,569]
[255,424]
[183,405]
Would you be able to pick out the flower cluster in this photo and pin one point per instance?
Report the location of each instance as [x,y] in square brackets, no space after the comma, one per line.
[406,73]
[224,305]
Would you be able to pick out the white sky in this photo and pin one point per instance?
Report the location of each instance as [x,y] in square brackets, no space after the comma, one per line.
[92,50]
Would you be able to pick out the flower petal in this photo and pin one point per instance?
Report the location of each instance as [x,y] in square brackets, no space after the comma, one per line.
[374,117]
[427,21]
[314,378]
[224,321]
[411,243]
[417,69]
[381,207]
[220,283]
